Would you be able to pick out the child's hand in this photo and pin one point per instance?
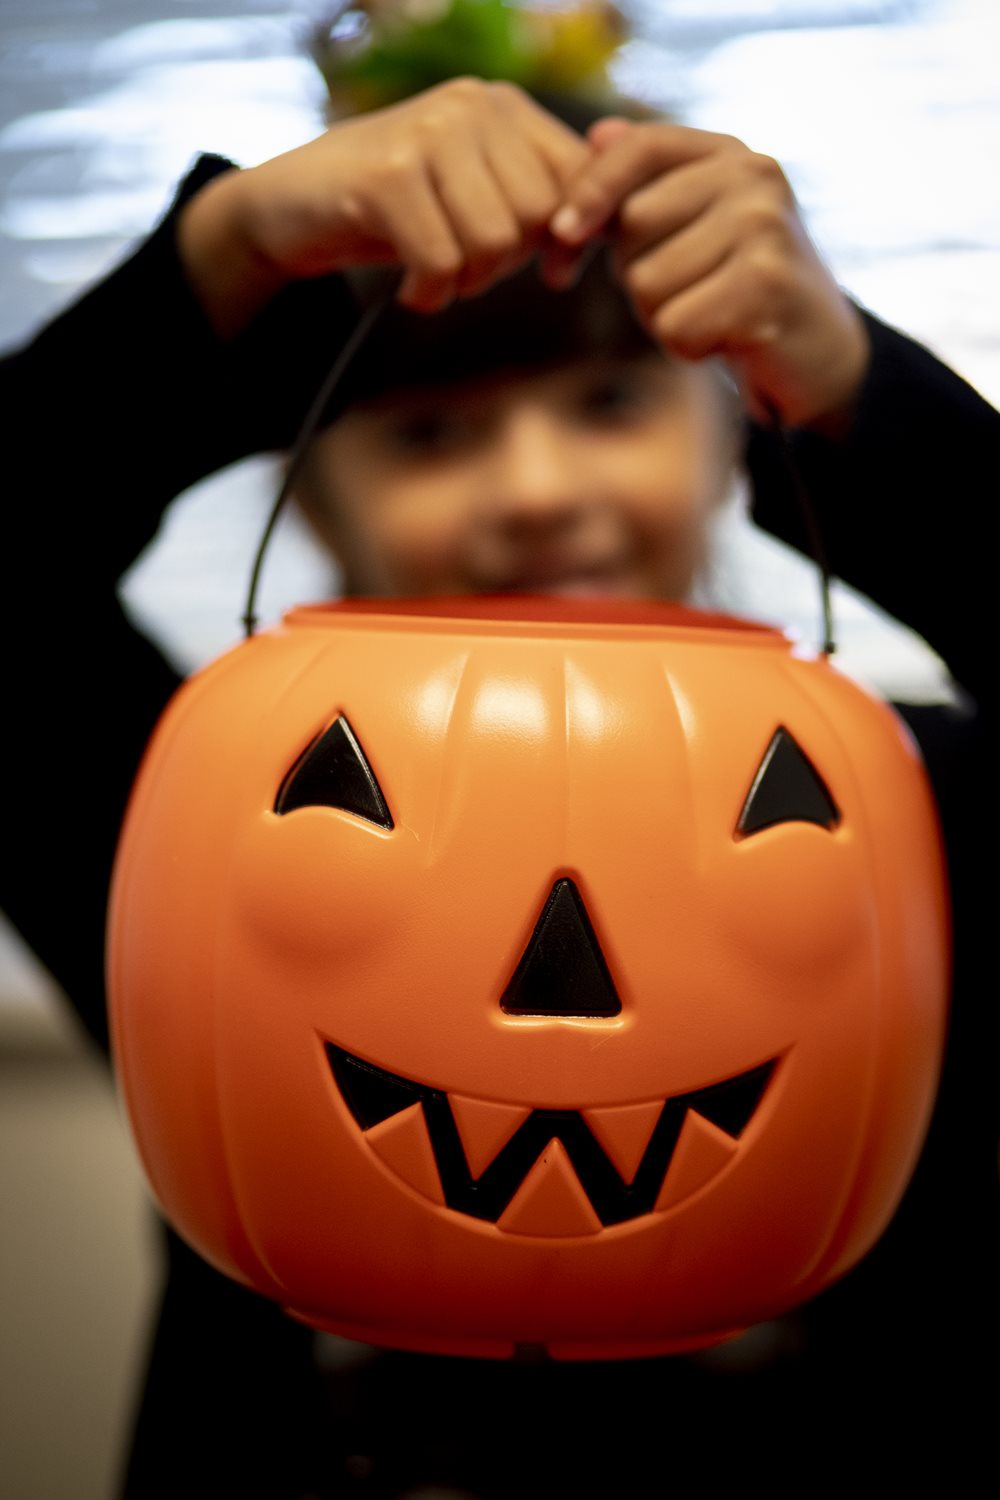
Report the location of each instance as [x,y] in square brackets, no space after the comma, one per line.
[709,245]
[456,185]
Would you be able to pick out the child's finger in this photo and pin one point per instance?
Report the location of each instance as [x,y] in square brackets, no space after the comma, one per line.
[672,202]
[481,219]
[418,229]
[681,260]
[604,133]
[725,313]
[564,152]
[526,181]
[560,265]
[630,161]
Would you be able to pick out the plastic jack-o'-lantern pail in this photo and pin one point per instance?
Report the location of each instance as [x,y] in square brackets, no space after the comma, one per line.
[490,973]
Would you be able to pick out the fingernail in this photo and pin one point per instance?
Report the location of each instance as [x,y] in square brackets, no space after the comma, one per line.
[567,223]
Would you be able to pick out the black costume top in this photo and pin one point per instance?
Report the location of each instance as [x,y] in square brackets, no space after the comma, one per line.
[116,407]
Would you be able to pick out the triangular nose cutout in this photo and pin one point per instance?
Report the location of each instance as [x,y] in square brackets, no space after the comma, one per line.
[562,971]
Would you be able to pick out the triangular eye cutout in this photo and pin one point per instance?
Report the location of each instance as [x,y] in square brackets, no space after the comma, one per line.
[786,789]
[333,772]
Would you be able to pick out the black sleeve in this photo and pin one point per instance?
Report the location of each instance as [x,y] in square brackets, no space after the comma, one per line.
[903,506]
[114,408]
[903,501]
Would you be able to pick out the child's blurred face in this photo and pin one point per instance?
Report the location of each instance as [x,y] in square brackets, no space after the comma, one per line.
[592,478]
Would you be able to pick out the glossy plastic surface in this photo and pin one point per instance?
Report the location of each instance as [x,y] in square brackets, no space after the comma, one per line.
[706,1098]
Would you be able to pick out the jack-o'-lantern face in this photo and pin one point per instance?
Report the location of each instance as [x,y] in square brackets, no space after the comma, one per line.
[577,982]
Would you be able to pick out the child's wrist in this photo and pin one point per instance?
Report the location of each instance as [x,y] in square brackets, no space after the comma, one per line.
[809,373]
[834,410]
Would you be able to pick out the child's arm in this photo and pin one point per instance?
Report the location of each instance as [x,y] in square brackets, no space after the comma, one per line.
[904,499]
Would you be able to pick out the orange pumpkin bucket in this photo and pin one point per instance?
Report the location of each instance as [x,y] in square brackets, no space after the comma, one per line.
[490,973]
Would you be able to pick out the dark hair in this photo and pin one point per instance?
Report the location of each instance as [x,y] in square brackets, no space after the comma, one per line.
[517,323]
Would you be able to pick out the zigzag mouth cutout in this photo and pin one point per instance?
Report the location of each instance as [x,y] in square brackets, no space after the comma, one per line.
[373,1095]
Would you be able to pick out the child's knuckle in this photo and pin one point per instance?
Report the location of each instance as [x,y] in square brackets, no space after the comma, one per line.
[770,269]
[634,217]
[652,146]
[640,283]
[592,200]
[675,335]
[494,241]
[442,121]
[769,171]
[761,218]
[538,203]
[506,95]
[450,106]
[465,86]
[393,168]
[665,326]
[441,258]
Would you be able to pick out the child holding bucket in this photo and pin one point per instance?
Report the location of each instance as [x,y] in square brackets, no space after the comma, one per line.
[509,436]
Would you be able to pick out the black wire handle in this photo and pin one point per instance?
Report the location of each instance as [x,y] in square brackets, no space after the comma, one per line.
[810,522]
[365,323]
[331,380]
